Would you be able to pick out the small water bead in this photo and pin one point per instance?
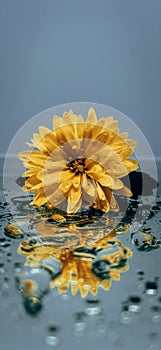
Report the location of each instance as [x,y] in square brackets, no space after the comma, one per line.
[140,272]
[79,316]
[32,305]
[100,267]
[35,281]
[53,328]
[125,318]
[52,340]
[92,300]
[151,288]
[93,311]
[156,318]
[156,308]
[134,303]
[135,308]
[80,326]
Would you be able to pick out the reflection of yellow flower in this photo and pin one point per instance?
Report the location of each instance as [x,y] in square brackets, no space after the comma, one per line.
[79,163]
[84,267]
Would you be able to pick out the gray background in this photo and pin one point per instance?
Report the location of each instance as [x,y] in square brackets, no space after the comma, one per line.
[105,51]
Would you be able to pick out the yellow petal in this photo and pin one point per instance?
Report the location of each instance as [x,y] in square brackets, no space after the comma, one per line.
[66,175]
[65,186]
[55,196]
[88,186]
[51,179]
[39,198]
[33,183]
[74,200]
[91,117]
[76,181]
[100,192]
[33,159]
[131,164]
[124,191]
[57,122]
[115,275]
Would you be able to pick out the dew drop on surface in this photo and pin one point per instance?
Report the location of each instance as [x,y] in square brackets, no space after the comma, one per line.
[53,328]
[100,267]
[32,305]
[38,277]
[92,311]
[125,318]
[156,318]
[92,300]
[52,341]
[135,308]
[151,288]
[79,326]
[134,304]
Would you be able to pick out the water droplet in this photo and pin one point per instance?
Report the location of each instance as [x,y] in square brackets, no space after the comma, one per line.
[156,318]
[125,318]
[52,341]
[34,282]
[135,308]
[32,305]
[100,267]
[79,316]
[92,300]
[135,299]
[79,328]
[53,328]
[92,311]
[155,308]
[140,272]
[151,288]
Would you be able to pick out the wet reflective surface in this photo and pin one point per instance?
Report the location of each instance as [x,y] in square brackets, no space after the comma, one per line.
[86,280]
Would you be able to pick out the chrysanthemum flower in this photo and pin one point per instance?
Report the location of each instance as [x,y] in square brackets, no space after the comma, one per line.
[79,164]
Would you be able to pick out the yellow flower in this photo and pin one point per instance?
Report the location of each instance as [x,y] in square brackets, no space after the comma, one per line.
[79,164]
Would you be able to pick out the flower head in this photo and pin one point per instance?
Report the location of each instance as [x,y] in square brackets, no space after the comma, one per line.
[79,164]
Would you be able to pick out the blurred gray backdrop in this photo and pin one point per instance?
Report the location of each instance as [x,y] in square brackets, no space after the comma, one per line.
[105,51]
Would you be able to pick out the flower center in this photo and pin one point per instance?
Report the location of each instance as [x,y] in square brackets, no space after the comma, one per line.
[77,166]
